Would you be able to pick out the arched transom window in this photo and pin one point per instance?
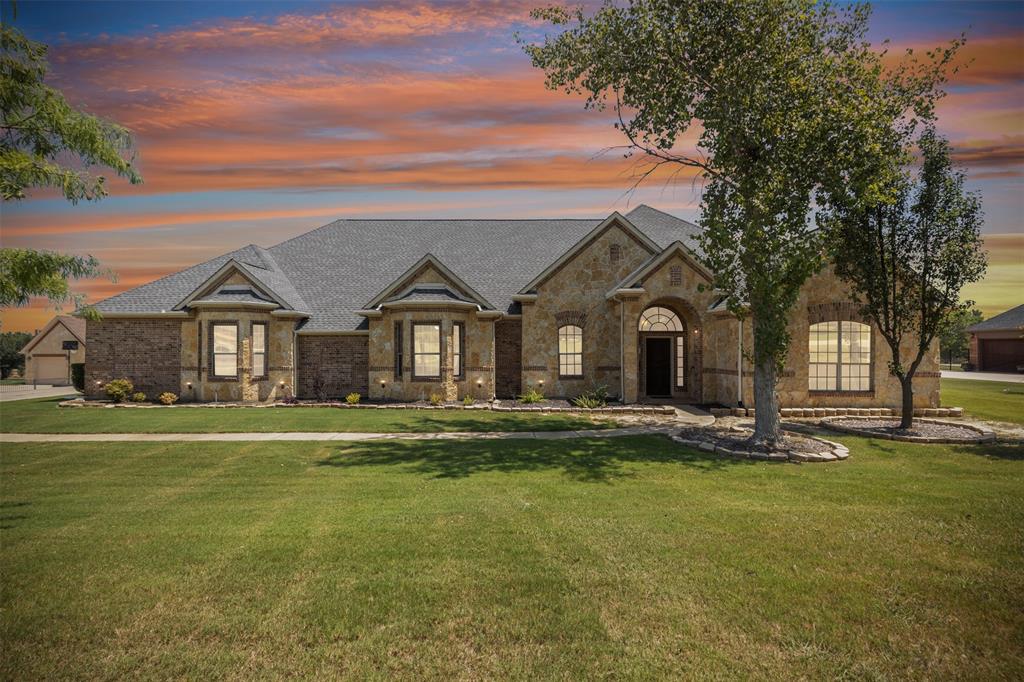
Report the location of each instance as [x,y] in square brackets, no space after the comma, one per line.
[570,351]
[658,319]
[840,357]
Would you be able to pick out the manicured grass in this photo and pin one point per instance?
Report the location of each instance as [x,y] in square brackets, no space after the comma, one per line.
[12,382]
[43,416]
[1000,401]
[625,558]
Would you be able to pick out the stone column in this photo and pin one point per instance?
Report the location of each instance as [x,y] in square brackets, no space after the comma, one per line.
[448,387]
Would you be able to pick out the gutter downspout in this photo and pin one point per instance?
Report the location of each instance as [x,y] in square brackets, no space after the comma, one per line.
[295,359]
[739,367]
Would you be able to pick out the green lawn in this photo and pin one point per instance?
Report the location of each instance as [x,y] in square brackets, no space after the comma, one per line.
[999,401]
[43,416]
[625,558]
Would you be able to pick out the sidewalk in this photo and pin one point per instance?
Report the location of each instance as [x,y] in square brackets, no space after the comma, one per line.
[333,436]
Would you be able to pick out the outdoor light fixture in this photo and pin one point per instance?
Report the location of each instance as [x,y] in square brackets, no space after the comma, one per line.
[188,384]
[382,382]
[99,383]
[541,382]
[479,382]
[282,382]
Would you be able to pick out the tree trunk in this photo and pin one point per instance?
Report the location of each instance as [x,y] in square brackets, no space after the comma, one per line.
[767,430]
[907,419]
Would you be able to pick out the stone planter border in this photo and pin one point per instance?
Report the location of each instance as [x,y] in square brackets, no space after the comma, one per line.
[984,434]
[618,409]
[837,452]
[806,412]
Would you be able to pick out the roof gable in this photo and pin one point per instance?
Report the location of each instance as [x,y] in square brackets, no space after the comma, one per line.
[428,261]
[212,283]
[635,278]
[74,325]
[614,220]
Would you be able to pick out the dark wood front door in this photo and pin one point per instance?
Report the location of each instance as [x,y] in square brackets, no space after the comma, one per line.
[659,367]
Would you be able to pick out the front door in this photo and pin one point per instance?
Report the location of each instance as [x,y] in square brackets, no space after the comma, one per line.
[659,367]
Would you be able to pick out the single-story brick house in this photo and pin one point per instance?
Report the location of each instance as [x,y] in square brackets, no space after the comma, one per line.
[54,348]
[402,309]
[997,344]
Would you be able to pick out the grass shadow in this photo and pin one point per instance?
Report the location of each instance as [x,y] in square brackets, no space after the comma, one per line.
[591,460]
[1013,451]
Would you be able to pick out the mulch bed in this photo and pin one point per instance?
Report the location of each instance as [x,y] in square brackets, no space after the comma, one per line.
[735,442]
[923,430]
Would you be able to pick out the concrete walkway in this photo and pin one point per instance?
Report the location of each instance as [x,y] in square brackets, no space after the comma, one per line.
[984,376]
[334,436]
[28,392]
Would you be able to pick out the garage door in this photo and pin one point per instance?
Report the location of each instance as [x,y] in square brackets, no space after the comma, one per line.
[1001,355]
[51,370]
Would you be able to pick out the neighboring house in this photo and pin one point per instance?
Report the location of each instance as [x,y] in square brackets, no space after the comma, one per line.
[52,351]
[402,309]
[997,345]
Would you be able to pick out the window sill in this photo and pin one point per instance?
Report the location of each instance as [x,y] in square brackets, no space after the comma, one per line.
[839,394]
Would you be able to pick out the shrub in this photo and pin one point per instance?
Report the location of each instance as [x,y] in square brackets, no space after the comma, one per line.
[290,400]
[596,397]
[468,400]
[532,395]
[168,398]
[119,390]
[138,397]
[353,398]
[436,399]
[78,376]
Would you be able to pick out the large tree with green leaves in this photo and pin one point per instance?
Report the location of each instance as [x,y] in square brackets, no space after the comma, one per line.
[953,337]
[46,143]
[908,259]
[11,344]
[789,103]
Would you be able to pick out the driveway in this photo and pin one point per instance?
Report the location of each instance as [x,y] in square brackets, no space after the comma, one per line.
[27,392]
[984,376]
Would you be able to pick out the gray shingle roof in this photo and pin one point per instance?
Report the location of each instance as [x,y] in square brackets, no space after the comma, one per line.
[1011,320]
[429,294]
[331,272]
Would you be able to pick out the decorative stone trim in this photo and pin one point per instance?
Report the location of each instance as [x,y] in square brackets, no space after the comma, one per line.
[573,317]
[807,412]
[838,311]
[984,434]
[837,451]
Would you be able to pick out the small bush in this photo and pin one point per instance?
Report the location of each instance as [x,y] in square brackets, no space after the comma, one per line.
[119,390]
[290,400]
[436,399]
[168,398]
[596,397]
[468,400]
[531,396]
[78,376]
[353,398]
[139,397]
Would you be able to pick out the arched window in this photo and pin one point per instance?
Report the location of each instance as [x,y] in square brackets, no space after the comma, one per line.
[840,356]
[570,351]
[658,319]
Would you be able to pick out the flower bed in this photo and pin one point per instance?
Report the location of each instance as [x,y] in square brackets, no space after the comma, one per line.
[808,412]
[923,431]
[734,443]
[546,406]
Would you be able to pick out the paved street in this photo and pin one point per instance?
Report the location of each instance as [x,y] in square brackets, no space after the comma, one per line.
[984,376]
[27,392]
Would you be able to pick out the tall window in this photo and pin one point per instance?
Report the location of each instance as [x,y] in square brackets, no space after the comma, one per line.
[458,341]
[225,350]
[570,351]
[840,357]
[259,349]
[680,362]
[399,351]
[426,350]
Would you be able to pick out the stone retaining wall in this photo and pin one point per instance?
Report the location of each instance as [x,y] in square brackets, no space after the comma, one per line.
[806,412]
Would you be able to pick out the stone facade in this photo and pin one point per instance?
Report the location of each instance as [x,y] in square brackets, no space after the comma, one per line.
[604,287]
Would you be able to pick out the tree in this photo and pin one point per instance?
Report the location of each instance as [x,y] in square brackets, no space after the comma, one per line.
[790,103]
[953,335]
[27,273]
[907,260]
[10,344]
[41,133]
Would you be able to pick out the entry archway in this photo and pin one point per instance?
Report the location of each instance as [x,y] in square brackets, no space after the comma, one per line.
[663,365]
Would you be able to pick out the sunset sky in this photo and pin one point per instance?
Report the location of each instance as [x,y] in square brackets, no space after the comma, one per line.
[257,121]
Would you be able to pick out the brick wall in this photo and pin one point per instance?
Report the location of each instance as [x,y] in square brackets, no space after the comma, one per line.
[147,352]
[341,361]
[508,341]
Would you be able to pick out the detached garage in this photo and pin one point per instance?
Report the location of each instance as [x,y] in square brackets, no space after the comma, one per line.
[52,351]
[997,345]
